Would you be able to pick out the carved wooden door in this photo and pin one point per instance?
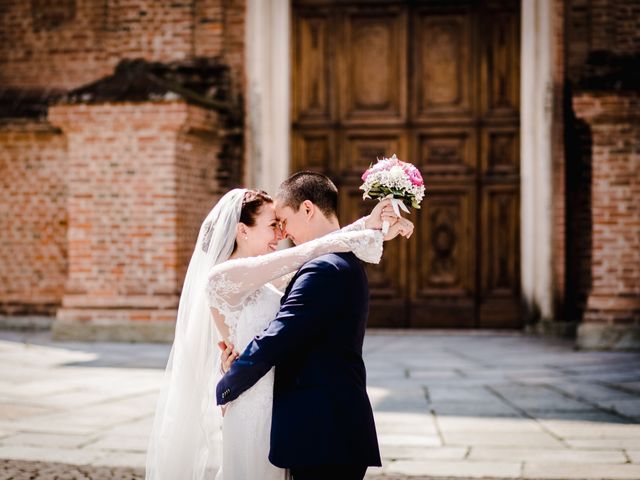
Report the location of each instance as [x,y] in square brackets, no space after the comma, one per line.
[437,83]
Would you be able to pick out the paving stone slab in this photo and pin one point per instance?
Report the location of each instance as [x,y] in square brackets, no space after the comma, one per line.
[409,440]
[130,443]
[594,393]
[580,471]
[547,455]
[47,440]
[392,452]
[632,443]
[55,427]
[634,455]
[588,429]
[124,459]
[628,408]
[450,424]
[13,411]
[505,439]
[594,415]
[491,409]
[70,456]
[421,426]
[508,401]
[456,393]
[464,469]
[628,386]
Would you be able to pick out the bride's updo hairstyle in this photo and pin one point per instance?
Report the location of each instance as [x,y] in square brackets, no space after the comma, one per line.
[312,186]
[252,203]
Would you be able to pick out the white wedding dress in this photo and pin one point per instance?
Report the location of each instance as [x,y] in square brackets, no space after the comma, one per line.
[239,292]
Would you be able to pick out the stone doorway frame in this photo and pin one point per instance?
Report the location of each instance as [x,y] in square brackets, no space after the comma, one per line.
[268,87]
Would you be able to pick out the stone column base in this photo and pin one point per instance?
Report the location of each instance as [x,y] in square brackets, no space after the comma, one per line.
[600,336]
[611,322]
[553,329]
[26,323]
[115,326]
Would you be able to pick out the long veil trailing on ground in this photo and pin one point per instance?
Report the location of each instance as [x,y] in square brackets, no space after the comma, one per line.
[186,419]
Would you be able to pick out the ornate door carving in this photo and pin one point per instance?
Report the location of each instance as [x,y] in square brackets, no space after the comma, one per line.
[435,82]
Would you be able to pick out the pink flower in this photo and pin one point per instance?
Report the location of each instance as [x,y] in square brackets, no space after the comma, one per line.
[415,177]
[386,164]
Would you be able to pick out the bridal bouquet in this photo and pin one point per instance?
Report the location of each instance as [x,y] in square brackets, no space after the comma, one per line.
[392,178]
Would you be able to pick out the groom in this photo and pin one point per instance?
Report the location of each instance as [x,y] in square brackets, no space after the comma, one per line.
[322,424]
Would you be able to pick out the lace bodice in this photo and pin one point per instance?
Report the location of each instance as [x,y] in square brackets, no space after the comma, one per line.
[234,286]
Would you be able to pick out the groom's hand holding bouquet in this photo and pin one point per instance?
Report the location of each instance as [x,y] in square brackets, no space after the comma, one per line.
[384,214]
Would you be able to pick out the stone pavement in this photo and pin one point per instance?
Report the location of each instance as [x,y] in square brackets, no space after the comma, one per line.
[448,405]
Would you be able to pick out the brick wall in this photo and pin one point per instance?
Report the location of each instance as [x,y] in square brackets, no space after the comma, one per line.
[613,119]
[33,250]
[234,35]
[197,188]
[68,43]
[609,26]
[140,180]
[602,38]
[51,44]
[140,177]
[122,205]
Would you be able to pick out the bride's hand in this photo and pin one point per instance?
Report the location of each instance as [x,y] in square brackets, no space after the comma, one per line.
[229,355]
[381,212]
[401,226]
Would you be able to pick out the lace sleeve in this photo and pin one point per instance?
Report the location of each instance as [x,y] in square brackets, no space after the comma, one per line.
[356,226]
[231,281]
[282,282]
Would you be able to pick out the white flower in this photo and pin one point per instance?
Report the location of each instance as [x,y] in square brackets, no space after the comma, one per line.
[396,174]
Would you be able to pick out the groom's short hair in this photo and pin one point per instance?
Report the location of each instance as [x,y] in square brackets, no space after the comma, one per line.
[312,186]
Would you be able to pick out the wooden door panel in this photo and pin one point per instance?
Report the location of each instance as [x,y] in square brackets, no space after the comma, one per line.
[313,66]
[373,66]
[443,282]
[443,78]
[500,152]
[313,149]
[500,271]
[437,83]
[448,152]
[387,280]
[361,147]
[500,60]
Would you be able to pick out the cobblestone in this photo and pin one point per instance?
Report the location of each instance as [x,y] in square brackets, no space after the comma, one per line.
[24,470]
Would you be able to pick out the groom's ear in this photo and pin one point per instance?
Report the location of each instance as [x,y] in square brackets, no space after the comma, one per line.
[308,208]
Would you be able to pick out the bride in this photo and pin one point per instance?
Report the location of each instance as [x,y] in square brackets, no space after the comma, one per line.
[231,292]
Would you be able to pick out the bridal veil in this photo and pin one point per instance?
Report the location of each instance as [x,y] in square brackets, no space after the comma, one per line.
[187,419]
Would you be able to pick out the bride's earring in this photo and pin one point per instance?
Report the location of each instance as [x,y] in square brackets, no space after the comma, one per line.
[246,237]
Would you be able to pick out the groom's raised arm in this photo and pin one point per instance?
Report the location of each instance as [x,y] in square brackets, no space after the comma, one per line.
[314,295]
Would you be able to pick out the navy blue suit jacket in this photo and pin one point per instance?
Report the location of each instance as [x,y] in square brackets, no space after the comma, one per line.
[321,411]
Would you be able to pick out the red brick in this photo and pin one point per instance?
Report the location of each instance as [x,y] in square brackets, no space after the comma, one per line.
[33,251]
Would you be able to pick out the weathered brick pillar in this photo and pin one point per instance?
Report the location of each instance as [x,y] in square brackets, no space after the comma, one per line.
[139,183]
[612,319]
[33,221]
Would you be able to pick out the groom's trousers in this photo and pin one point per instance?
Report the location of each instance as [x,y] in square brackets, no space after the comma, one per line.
[343,472]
